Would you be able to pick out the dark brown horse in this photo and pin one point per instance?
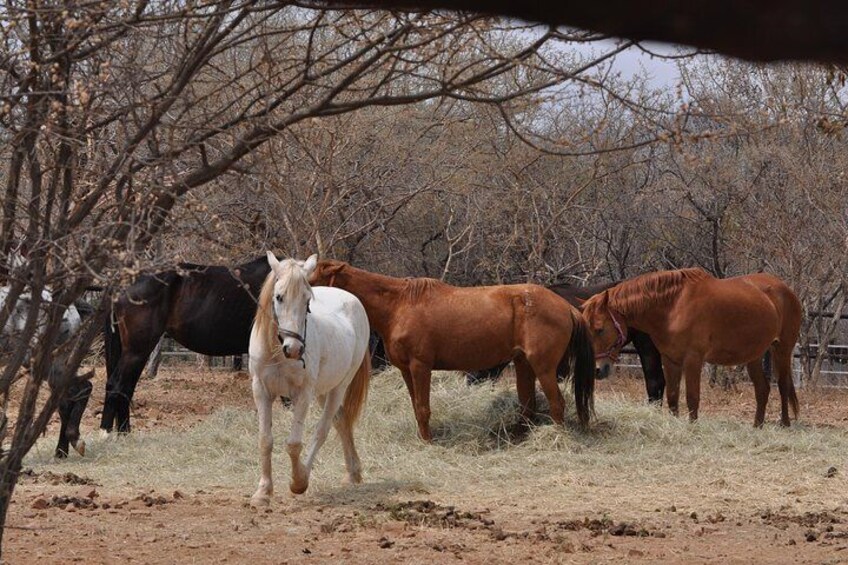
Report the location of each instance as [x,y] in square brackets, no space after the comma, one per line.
[695,318]
[208,309]
[649,357]
[429,325]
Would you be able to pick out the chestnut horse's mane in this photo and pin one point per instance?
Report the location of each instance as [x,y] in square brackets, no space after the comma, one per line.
[418,288]
[635,296]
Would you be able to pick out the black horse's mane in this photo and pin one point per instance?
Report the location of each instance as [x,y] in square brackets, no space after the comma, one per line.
[186,266]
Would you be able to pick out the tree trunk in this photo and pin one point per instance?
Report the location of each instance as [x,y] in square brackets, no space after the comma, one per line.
[9,470]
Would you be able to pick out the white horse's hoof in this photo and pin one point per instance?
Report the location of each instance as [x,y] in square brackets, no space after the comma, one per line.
[260,500]
[79,445]
[352,478]
[104,434]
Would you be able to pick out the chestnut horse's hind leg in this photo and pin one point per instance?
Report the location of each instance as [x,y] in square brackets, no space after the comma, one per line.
[782,359]
[550,386]
[352,463]
[761,390]
[692,372]
[525,383]
[547,375]
[421,401]
[672,372]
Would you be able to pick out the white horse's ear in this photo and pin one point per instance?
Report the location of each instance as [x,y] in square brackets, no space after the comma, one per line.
[310,264]
[272,261]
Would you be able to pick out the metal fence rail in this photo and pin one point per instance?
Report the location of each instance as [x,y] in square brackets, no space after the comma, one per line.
[834,371]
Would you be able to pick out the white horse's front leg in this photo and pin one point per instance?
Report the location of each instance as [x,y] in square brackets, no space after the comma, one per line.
[331,407]
[300,474]
[264,402]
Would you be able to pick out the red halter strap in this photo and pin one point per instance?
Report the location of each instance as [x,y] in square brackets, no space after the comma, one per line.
[620,340]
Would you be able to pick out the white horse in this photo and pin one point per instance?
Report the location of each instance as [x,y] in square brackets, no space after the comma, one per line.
[71,320]
[76,396]
[307,343]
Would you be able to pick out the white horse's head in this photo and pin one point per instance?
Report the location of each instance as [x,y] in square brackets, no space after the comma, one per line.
[19,314]
[291,296]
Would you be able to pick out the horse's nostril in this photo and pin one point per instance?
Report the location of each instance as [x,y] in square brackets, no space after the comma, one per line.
[286,350]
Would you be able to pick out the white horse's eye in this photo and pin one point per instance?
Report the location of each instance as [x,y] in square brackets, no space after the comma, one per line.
[279,298]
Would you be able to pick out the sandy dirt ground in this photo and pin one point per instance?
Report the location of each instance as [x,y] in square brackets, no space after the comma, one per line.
[63,517]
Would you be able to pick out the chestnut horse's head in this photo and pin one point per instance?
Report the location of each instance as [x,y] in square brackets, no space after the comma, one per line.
[326,272]
[608,332]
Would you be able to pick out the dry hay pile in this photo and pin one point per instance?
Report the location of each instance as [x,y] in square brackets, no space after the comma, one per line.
[634,459]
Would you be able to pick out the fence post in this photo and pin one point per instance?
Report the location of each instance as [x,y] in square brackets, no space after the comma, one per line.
[152,367]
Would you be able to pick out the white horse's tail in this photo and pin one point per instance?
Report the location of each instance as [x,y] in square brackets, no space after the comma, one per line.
[357,391]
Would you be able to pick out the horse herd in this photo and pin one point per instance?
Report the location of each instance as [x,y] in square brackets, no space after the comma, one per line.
[306,326]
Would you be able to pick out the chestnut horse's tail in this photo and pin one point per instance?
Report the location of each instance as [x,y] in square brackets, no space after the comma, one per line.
[357,390]
[793,397]
[582,353]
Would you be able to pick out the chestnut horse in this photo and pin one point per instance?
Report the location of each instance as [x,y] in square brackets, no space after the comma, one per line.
[649,357]
[427,325]
[694,318]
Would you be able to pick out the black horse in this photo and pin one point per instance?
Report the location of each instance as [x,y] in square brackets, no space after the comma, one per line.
[207,309]
[649,356]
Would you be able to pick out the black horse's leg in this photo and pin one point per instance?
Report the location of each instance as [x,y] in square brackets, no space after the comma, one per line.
[142,324]
[71,409]
[64,416]
[132,366]
[490,374]
[767,364]
[112,349]
[121,383]
[651,361]
[379,357]
[82,393]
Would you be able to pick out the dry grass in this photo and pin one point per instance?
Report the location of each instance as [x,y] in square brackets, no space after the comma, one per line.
[634,460]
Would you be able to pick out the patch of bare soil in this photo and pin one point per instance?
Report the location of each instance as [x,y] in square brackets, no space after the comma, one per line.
[67,518]
[218,527]
[30,476]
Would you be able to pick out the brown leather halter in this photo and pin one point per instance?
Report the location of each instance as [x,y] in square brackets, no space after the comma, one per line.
[297,336]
